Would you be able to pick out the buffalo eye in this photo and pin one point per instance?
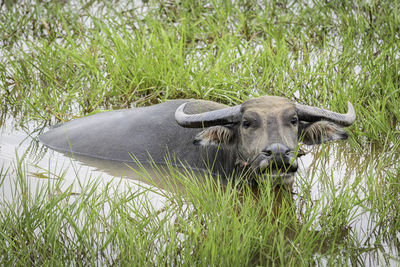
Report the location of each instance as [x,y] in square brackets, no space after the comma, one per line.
[294,121]
[246,124]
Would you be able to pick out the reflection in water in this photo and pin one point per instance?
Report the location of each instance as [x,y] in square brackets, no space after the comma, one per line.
[158,176]
[326,169]
[333,173]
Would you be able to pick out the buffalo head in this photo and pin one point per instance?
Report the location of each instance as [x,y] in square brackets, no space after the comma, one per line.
[264,132]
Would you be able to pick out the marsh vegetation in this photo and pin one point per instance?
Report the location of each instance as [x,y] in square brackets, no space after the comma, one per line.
[61,60]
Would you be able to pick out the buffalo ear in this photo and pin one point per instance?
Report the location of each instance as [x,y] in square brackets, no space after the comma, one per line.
[214,136]
[321,132]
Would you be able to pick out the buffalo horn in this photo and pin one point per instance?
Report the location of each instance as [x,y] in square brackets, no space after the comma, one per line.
[207,119]
[311,114]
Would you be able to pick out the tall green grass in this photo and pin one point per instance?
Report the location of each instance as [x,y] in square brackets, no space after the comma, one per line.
[97,223]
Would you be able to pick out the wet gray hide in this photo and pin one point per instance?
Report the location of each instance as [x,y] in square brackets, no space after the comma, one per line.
[147,133]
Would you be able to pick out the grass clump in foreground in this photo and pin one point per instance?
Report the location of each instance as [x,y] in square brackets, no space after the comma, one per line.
[203,223]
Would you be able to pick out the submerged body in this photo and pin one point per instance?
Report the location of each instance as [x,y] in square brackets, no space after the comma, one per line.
[260,136]
[148,134]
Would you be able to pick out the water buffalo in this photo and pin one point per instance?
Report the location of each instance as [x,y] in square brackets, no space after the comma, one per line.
[259,136]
